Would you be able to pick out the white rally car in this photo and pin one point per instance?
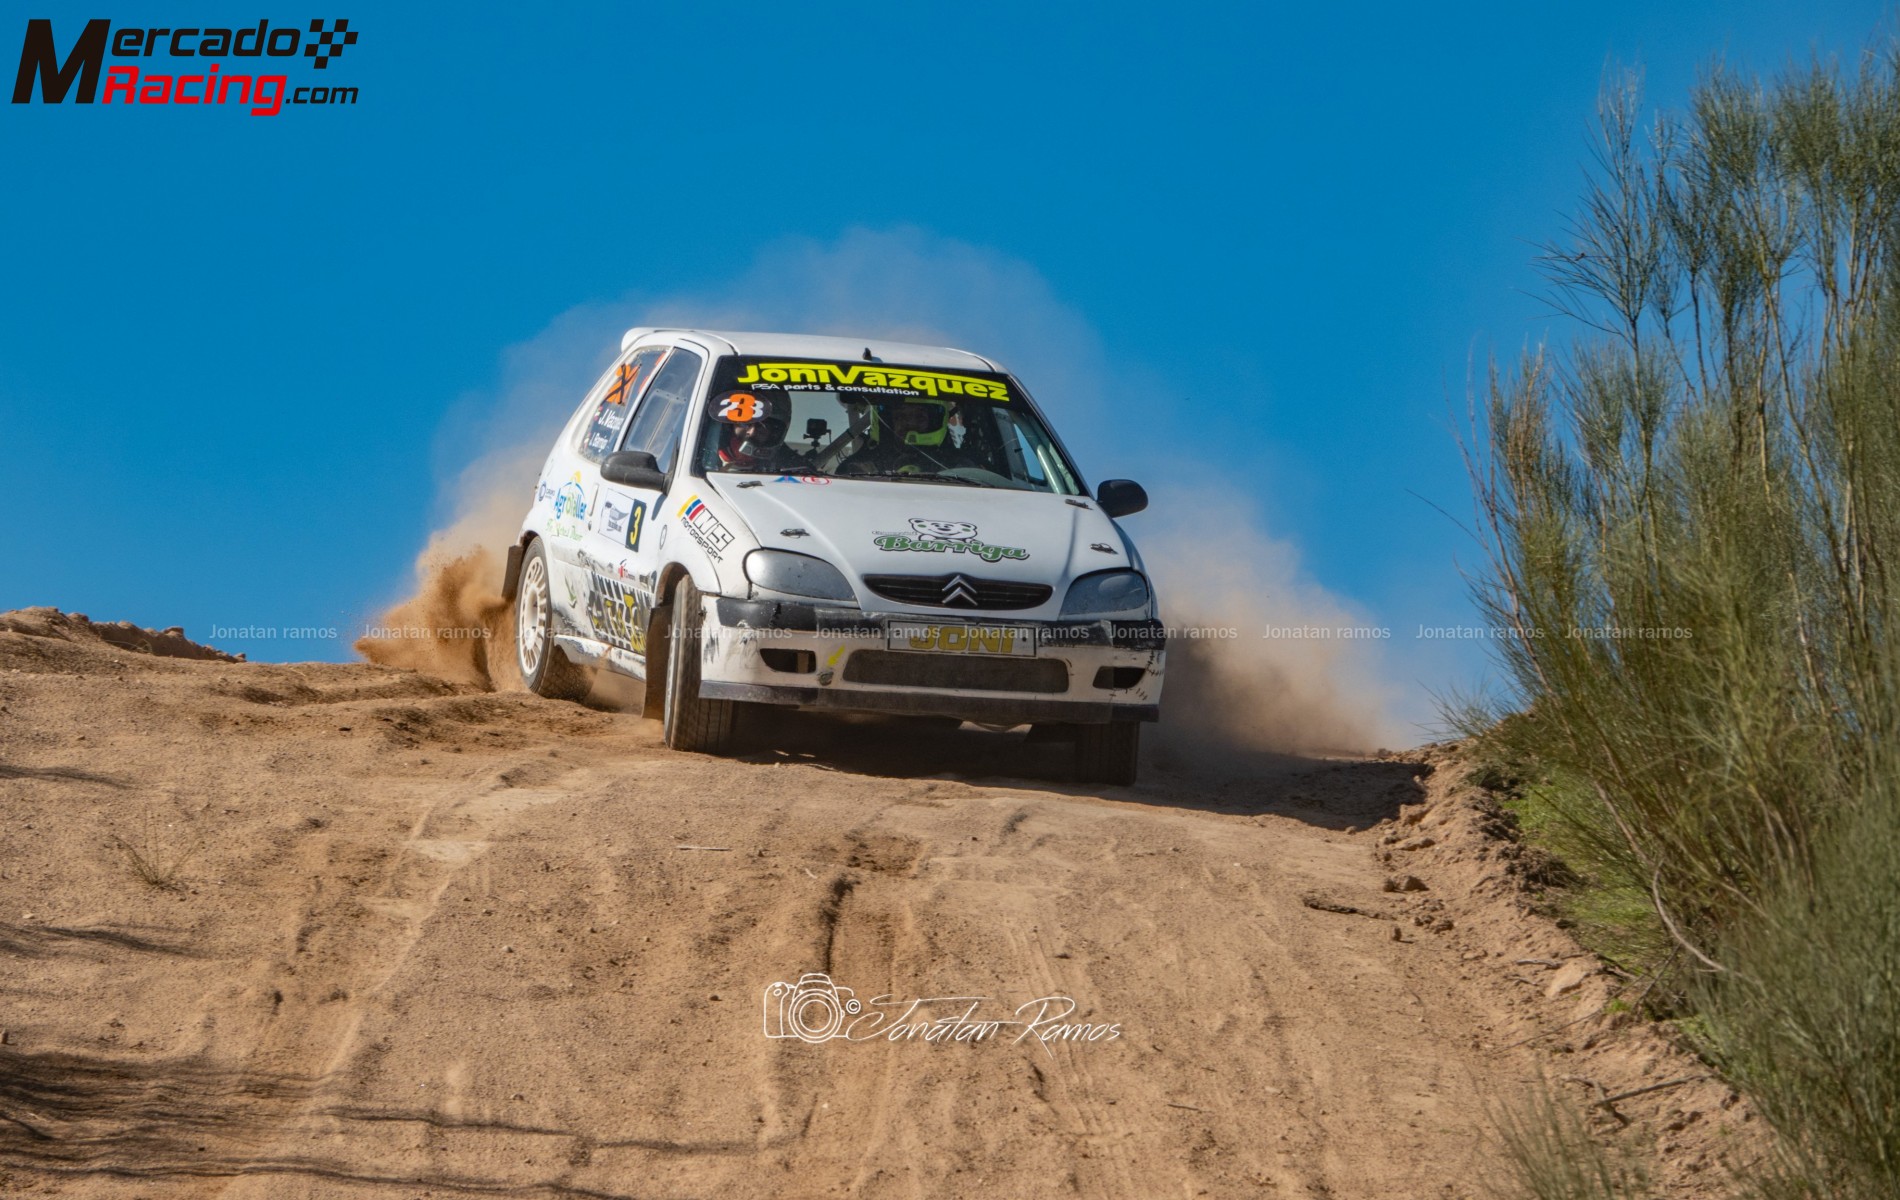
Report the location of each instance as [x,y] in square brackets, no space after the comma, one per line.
[742,518]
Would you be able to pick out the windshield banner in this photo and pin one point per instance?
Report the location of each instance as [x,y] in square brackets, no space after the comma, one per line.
[869,377]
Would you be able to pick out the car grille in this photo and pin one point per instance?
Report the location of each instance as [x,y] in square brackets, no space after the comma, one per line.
[958,591]
[897,668]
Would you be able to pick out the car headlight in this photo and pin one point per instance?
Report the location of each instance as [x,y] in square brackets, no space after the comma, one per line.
[1105,593]
[797,575]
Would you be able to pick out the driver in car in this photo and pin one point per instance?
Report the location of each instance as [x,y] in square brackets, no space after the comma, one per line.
[916,439]
[754,438]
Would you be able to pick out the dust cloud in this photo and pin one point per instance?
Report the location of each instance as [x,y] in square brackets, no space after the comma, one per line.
[1262,659]
[488,454]
[455,624]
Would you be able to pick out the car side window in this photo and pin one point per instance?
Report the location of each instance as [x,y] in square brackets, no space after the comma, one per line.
[656,426]
[611,400]
[1032,459]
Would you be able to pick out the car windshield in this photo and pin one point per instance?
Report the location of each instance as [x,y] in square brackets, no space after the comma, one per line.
[872,420]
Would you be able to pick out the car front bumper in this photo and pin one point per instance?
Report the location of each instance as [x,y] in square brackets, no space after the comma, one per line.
[982,667]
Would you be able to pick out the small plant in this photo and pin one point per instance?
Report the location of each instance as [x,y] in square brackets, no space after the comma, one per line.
[155,866]
[1550,1154]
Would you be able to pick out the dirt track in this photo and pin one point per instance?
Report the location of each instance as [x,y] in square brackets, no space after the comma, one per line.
[430,941]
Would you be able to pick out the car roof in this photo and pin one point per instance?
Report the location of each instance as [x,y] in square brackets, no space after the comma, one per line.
[805,345]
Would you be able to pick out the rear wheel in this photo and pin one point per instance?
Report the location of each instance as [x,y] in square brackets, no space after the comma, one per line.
[545,670]
[690,723]
[1107,753]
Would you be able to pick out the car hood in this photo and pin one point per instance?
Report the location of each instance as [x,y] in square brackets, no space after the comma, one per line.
[867,527]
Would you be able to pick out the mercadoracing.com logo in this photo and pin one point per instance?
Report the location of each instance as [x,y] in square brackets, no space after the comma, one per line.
[205,84]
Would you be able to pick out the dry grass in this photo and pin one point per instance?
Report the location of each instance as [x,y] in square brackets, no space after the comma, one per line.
[154,863]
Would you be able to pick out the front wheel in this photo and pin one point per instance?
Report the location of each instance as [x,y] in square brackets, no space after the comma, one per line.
[1107,753]
[690,723]
[545,670]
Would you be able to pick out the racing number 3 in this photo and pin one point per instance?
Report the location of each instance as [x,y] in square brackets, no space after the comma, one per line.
[634,522]
[740,408]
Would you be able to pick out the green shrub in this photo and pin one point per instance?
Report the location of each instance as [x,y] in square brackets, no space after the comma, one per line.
[1693,521]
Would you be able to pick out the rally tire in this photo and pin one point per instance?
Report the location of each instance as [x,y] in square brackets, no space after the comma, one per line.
[1107,753]
[658,643]
[544,668]
[691,723]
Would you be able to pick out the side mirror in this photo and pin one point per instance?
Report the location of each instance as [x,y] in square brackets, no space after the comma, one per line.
[1118,497]
[636,468]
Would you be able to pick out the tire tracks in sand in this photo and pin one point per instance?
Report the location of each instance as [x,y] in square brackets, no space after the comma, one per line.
[461,949]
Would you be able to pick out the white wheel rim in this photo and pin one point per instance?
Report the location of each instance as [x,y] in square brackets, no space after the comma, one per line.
[531,615]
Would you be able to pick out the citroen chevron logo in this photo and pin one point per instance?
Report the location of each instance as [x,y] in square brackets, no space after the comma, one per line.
[959,591]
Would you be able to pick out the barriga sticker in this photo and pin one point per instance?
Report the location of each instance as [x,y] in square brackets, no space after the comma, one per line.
[946,537]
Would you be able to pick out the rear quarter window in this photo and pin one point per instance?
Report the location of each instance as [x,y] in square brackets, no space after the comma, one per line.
[611,402]
[656,426]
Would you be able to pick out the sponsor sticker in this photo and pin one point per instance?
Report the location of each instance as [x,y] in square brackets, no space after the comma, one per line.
[946,537]
[866,377]
[709,531]
[613,517]
[570,502]
[617,614]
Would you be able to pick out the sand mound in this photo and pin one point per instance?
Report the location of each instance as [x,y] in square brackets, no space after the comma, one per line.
[78,627]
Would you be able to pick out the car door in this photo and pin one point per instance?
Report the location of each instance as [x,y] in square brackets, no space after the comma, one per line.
[620,551]
[570,483]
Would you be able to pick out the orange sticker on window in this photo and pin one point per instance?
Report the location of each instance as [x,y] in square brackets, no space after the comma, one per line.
[740,408]
[623,384]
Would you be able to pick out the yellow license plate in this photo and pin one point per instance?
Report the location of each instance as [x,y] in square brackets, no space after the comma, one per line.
[1017,641]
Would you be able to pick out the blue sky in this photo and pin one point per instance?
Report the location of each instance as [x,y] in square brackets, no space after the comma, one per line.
[240,354]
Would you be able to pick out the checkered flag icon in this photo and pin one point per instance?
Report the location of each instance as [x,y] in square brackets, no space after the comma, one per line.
[329,42]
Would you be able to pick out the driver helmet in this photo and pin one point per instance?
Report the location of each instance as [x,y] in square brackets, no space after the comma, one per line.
[936,415]
[755,425]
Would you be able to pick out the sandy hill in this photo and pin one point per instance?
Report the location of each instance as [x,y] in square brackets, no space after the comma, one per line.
[319,930]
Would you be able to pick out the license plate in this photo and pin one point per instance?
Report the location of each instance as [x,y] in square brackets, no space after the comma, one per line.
[1017,641]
